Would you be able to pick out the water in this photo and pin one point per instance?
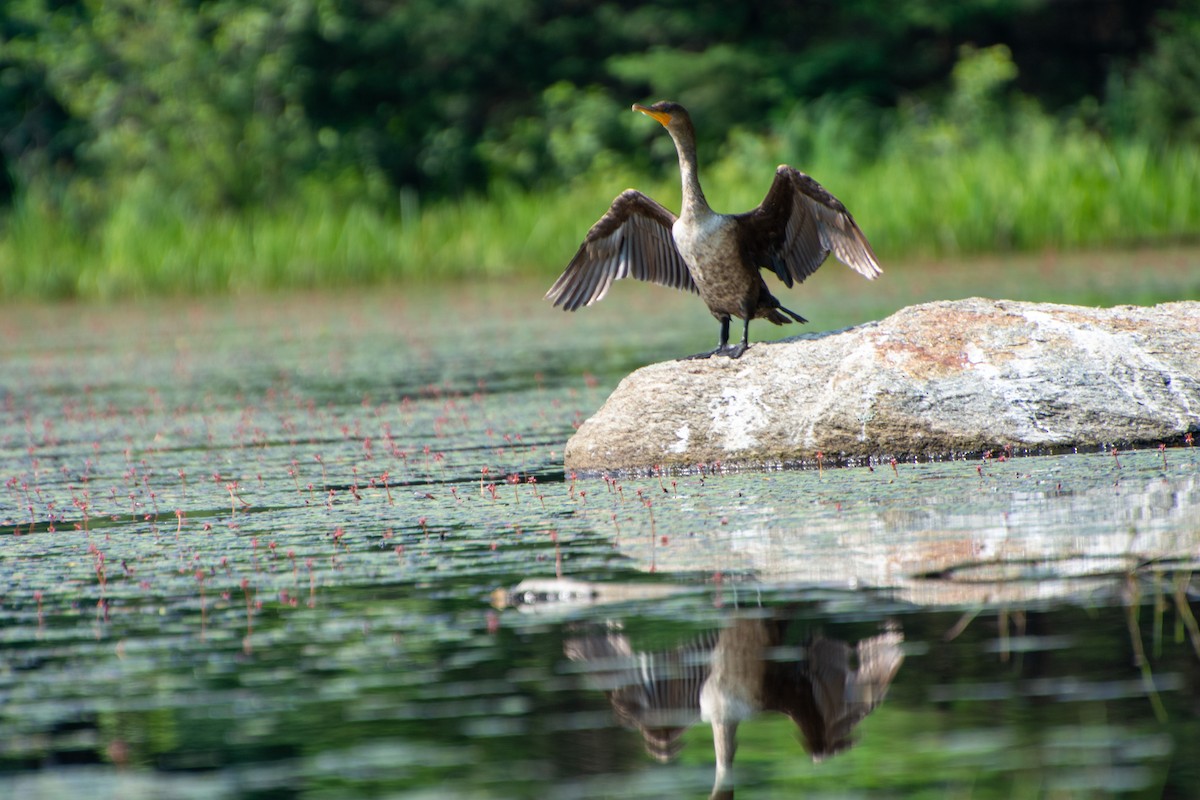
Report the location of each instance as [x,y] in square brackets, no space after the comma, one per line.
[324,547]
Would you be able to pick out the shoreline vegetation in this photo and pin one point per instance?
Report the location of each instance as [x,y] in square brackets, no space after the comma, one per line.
[224,148]
[1045,188]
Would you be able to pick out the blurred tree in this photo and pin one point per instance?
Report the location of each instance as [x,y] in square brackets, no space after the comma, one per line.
[38,137]
[1159,95]
[571,132]
[410,90]
[174,95]
[227,104]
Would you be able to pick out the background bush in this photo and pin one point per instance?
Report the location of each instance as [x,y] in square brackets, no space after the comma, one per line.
[142,141]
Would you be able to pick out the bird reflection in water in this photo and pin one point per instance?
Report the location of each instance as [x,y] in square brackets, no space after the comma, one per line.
[826,686]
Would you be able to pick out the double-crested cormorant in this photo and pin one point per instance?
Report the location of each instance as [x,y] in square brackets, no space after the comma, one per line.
[718,256]
[827,686]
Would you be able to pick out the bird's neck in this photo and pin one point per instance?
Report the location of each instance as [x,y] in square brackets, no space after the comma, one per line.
[694,202]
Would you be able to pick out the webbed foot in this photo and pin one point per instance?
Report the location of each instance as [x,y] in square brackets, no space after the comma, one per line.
[730,350]
[733,350]
[725,348]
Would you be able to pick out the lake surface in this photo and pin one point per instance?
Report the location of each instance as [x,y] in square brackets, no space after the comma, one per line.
[324,547]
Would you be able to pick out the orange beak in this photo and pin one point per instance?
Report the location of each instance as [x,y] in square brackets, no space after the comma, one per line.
[662,117]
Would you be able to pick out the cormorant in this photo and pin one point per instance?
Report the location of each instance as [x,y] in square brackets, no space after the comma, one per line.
[718,256]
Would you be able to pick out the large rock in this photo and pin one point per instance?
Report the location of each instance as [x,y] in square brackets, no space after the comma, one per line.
[934,380]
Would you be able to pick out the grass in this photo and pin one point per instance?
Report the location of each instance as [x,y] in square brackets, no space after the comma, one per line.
[1043,188]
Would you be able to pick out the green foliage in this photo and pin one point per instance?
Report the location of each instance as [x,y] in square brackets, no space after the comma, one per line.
[978,80]
[1160,97]
[38,138]
[725,84]
[925,192]
[176,97]
[574,131]
[217,145]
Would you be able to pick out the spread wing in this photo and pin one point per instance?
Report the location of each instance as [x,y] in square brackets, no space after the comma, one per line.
[657,693]
[632,240]
[798,225]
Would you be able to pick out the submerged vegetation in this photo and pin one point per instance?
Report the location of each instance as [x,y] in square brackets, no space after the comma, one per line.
[213,147]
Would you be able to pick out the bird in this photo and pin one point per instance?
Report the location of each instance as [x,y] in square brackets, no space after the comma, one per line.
[755,663]
[718,256]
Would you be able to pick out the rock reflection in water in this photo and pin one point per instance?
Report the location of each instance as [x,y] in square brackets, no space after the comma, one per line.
[757,663]
[1035,545]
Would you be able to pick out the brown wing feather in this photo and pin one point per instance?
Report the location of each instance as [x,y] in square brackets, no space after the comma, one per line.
[657,693]
[632,240]
[798,224]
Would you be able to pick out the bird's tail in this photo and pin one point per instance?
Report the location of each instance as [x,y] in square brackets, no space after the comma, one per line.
[779,319]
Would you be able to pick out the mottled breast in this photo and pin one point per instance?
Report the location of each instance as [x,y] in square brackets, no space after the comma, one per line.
[710,248]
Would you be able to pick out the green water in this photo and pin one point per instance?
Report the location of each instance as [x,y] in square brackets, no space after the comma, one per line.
[312,547]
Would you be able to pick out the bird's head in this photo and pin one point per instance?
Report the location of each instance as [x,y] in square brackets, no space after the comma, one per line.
[669,115]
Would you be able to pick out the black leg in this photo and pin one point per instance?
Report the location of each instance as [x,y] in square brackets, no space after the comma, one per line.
[723,348]
[737,350]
